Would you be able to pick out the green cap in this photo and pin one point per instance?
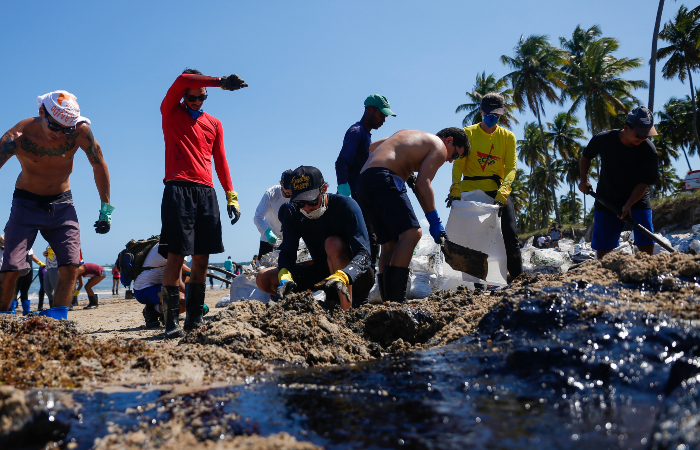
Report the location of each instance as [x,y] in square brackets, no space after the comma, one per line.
[379,101]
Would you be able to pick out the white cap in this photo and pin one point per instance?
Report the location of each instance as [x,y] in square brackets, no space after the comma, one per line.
[63,107]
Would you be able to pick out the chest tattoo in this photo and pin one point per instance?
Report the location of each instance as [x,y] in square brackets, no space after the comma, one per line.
[61,150]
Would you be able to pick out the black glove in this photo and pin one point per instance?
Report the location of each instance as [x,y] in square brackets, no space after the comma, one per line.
[232,83]
[442,239]
[102,227]
[450,199]
[233,214]
[284,289]
[501,207]
[411,182]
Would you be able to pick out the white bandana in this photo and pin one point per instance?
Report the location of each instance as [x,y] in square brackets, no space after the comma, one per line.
[63,107]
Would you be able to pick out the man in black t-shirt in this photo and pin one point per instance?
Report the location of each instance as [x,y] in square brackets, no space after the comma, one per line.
[334,231]
[628,165]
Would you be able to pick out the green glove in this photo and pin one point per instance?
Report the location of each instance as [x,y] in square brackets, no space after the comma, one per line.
[106,212]
[344,189]
[271,237]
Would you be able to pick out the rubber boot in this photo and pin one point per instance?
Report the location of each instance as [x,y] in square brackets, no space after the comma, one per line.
[26,307]
[40,306]
[152,317]
[13,307]
[395,283]
[194,304]
[73,303]
[57,312]
[380,282]
[93,302]
[171,311]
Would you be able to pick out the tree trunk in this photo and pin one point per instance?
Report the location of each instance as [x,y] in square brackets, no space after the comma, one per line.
[549,167]
[692,99]
[529,198]
[652,61]
[686,158]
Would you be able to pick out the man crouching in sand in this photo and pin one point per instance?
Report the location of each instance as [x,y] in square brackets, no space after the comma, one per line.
[383,197]
[45,147]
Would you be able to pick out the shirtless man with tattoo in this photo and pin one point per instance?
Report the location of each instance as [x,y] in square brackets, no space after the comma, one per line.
[45,147]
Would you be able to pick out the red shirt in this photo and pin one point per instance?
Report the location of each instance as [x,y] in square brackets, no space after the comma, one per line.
[189,143]
[92,270]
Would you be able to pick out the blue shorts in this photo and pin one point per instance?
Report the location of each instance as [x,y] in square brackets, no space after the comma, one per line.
[383,198]
[148,296]
[607,228]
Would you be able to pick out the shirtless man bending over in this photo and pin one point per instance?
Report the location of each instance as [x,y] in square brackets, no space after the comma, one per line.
[45,147]
[383,197]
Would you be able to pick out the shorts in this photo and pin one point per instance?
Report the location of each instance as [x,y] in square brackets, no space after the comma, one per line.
[383,197]
[190,223]
[607,228]
[149,295]
[307,275]
[54,216]
[92,275]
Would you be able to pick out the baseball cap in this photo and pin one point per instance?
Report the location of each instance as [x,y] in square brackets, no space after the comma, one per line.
[493,104]
[287,178]
[306,181]
[379,101]
[642,121]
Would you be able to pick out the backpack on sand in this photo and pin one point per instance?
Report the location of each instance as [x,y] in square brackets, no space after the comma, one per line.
[130,260]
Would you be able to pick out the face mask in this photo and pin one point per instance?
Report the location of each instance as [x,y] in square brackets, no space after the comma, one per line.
[195,114]
[490,120]
[315,214]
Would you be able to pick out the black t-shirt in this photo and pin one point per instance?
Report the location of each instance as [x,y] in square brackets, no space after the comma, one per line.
[343,218]
[622,168]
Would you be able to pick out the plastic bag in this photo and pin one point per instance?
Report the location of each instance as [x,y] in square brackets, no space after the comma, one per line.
[659,249]
[244,288]
[535,259]
[566,245]
[225,301]
[694,247]
[625,248]
[420,284]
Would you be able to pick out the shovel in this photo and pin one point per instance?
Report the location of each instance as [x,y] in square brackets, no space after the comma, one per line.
[465,259]
[618,212]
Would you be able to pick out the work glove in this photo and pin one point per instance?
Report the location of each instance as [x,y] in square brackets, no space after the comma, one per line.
[271,237]
[501,201]
[286,286]
[344,189]
[436,229]
[234,211]
[339,281]
[232,83]
[41,264]
[104,223]
[411,182]
[441,240]
[450,199]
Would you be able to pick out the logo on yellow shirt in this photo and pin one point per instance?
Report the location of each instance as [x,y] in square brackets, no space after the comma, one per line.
[487,159]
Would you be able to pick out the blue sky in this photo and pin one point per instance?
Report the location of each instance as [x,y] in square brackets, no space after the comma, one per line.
[309,64]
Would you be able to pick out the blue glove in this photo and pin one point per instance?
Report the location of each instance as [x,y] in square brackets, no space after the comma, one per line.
[271,237]
[436,228]
[104,223]
[344,189]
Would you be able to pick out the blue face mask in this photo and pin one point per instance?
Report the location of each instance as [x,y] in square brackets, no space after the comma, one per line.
[195,114]
[490,120]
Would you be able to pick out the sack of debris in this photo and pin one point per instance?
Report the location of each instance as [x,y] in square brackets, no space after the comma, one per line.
[567,245]
[545,260]
[243,287]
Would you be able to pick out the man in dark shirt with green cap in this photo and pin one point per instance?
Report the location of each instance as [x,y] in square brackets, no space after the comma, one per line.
[355,153]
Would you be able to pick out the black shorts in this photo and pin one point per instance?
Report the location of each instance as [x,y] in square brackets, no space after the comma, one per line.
[190,223]
[307,275]
[264,249]
[383,197]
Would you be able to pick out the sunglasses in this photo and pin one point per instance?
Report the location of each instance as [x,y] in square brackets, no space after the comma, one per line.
[53,126]
[636,135]
[194,98]
[303,203]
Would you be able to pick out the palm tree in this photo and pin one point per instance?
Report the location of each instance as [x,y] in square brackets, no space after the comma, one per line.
[594,82]
[564,134]
[536,76]
[676,123]
[683,53]
[518,193]
[530,152]
[667,179]
[485,84]
[652,61]
[570,207]
[576,46]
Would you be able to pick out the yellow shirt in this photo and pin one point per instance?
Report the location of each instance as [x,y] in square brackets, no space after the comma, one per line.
[490,154]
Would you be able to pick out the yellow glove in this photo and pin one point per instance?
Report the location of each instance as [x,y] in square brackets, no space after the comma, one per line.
[41,264]
[339,280]
[286,286]
[500,198]
[234,211]
[76,292]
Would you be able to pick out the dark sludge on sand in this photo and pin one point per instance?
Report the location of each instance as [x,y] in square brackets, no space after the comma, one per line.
[605,356]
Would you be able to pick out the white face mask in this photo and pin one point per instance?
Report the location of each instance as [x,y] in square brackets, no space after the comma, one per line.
[315,214]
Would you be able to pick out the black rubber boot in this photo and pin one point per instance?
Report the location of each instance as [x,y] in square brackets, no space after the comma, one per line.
[380,283]
[93,302]
[152,317]
[194,304]
[171,311]
[395,283]
[73,303]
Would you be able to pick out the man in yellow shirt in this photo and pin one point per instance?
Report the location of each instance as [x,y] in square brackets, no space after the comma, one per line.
[490,167]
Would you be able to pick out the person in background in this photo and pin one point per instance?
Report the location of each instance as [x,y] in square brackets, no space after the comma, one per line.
[255,262]
[94,273]
[228,266]
[238,269]
[42,290]
[266,217]
[116,276]
[51,277]
[211,280]
[554,235]
[24,282]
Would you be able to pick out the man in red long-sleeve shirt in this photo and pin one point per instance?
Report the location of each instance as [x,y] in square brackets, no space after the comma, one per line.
[189,211]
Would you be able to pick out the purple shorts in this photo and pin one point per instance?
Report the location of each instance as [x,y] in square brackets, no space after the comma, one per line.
[54,216]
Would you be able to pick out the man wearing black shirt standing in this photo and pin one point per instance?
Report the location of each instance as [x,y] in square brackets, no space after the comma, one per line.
[629,164]
[334,231]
